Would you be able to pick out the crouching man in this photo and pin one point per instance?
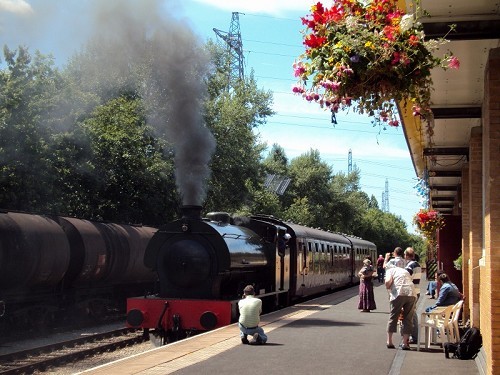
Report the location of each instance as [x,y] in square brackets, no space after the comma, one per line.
[250,309]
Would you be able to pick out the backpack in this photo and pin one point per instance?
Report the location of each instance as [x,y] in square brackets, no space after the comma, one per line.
[469,344]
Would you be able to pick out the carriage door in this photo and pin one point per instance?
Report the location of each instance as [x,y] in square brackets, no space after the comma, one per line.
[284,260]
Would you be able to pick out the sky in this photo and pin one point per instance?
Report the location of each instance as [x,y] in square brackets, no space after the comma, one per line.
[272,40]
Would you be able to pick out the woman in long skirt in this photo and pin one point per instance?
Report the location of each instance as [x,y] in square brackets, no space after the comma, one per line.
[366,295]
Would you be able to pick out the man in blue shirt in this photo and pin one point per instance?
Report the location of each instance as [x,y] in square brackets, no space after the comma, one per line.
[448,293]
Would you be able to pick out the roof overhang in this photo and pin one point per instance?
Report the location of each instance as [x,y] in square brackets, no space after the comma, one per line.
[439,150]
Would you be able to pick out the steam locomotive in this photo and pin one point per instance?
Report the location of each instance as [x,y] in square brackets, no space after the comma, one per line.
[203,264]
[53,267]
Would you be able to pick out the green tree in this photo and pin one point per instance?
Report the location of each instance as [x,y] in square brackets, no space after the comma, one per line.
[310,179]
[232,114]
[276,161]
[385,229]
[373,202]
[29,87]
[262,201]
[301,212]
[347,203]
[134,182]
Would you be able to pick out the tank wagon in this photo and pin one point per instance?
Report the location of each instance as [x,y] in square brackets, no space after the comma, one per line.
[55,268]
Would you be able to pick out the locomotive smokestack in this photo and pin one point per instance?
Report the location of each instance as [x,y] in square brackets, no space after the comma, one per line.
[191,212]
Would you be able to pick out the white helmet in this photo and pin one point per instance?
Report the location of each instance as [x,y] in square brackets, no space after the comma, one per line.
[287,236]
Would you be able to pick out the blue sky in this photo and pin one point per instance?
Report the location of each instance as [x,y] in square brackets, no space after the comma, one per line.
[271,41]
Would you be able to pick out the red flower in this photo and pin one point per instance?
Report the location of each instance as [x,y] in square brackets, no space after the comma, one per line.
[413,40]
[313,41]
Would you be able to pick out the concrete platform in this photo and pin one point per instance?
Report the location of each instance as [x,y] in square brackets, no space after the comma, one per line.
[327,335]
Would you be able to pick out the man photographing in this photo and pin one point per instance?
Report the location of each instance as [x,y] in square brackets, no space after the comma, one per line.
[250,309]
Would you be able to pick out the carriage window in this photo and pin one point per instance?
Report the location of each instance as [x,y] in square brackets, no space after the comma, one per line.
[316,247]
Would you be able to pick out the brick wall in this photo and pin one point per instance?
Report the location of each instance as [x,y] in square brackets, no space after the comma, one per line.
[490,288]
[475,221]
[466,241]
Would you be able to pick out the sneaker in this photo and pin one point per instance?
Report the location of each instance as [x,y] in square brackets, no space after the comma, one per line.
[244,340]
[427,293]
[256,340]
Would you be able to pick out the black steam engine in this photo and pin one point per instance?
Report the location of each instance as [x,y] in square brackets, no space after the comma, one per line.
[203,264]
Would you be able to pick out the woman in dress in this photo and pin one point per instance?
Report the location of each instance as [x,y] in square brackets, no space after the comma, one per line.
[366,296]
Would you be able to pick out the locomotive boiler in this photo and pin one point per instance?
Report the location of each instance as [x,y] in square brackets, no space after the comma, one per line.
[203,264]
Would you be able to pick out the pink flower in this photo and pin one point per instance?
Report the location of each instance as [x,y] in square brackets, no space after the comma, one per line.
[298,69]
[396,58]
[416,110]
[298,89]
[454,63]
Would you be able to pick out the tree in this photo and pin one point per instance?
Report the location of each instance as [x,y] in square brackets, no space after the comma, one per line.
[231,115]
[301,212]
[276,161]
[310,178]
[134,182]
[347,203]
[373,202]
[385,229]
[28,91]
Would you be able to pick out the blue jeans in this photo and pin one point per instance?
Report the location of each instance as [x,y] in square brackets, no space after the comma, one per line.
[244,332]
[431,288]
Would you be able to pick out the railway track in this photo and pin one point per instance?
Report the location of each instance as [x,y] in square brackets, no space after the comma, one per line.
[54,355]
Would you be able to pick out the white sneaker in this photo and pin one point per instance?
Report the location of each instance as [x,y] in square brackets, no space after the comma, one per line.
[255,339]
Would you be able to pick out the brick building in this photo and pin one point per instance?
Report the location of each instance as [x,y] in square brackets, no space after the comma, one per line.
[458,156]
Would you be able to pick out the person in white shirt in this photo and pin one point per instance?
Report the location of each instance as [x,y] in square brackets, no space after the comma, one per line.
[250,309]
[395,261]
[402,297]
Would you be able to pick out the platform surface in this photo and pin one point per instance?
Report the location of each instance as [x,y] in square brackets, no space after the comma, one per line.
[327,335]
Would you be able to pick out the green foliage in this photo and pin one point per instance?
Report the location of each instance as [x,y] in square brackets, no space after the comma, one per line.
[28,92]
[261,201]
[385,229]
[80,142]
[231,114]
[276,161]
[301,212]
[128,162]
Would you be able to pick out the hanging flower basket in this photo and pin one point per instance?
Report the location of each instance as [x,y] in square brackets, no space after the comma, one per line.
[367,55]
[428,222]
[457,263]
